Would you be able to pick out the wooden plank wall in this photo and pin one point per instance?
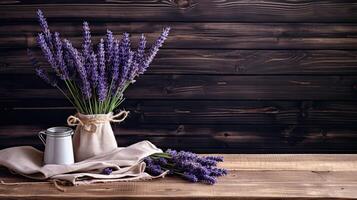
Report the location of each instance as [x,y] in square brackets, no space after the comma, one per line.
[235,76]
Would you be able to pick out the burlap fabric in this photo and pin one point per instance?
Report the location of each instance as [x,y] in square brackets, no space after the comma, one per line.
[94,134]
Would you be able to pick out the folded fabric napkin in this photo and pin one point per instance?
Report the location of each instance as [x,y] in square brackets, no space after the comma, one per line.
[126,163]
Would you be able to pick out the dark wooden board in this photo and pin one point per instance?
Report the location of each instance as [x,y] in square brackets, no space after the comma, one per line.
[225,62]
[209,138]
[203,87]
[203,35]
[186,10]
[197,112]
[234,76]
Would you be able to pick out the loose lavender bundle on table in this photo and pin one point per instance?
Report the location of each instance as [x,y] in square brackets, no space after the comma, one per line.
[187,165]
[95,77]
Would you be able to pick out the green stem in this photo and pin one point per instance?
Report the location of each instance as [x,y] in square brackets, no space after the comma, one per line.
[76,101]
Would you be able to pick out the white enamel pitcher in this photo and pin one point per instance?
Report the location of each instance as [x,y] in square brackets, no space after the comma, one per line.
[58,145]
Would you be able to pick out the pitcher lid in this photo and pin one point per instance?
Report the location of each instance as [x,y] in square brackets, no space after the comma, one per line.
[59,131]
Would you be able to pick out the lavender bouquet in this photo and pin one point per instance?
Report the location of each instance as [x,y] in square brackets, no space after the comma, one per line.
[94,77]
[184,164]
[187,165]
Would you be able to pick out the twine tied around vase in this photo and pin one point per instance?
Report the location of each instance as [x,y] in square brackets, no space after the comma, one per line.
[90,125]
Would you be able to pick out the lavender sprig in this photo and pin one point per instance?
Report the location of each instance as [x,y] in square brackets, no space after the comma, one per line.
[40,72]
[155,48]
[110,46]
[44,76]
[190,177]
[47,51]
[140,55]
[87,43]
[78,62]
[152,168]
[64,74]
[124,75]
[115,68]
[107,171]
[188,165]
[102,79]
[44,26]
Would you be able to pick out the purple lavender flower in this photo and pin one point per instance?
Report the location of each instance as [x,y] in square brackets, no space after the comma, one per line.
[87,43]
[125,44]
[102,79]
[215,158]
[78,62]
[133,70]
[44,76]
[109,46]
[115,67]
[160,161]
[153,169]
[47,51]
[209,179]
[148,160]
[126,56]
[155,48]
[140,55]
[70,64]
[171,152]
[190,177]
[184,155]
[125,75]
[192,167]
[90,61]
[107,171]
[124,49]
[39,71]
[206,162]
[129,67]
[64,74]
[45,29]
[218,172]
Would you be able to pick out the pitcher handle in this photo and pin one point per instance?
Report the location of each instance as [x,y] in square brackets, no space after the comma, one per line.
[40,135]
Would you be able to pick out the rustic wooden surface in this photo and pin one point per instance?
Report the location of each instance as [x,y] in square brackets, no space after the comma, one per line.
[253,176]
[234,76]
[186,10]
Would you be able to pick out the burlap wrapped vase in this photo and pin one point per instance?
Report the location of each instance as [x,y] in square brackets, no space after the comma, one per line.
[94,134]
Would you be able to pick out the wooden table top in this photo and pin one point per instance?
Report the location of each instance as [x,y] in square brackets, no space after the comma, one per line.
[251,176]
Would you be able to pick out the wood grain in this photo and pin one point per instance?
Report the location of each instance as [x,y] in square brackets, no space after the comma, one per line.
[204,87]
[202,35]
[199,112]
[186,10]
[238,185]
[303,177]
[234,76]
[224,62]
[211,138]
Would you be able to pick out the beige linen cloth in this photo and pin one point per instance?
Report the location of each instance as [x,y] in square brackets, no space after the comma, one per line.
[126,162]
